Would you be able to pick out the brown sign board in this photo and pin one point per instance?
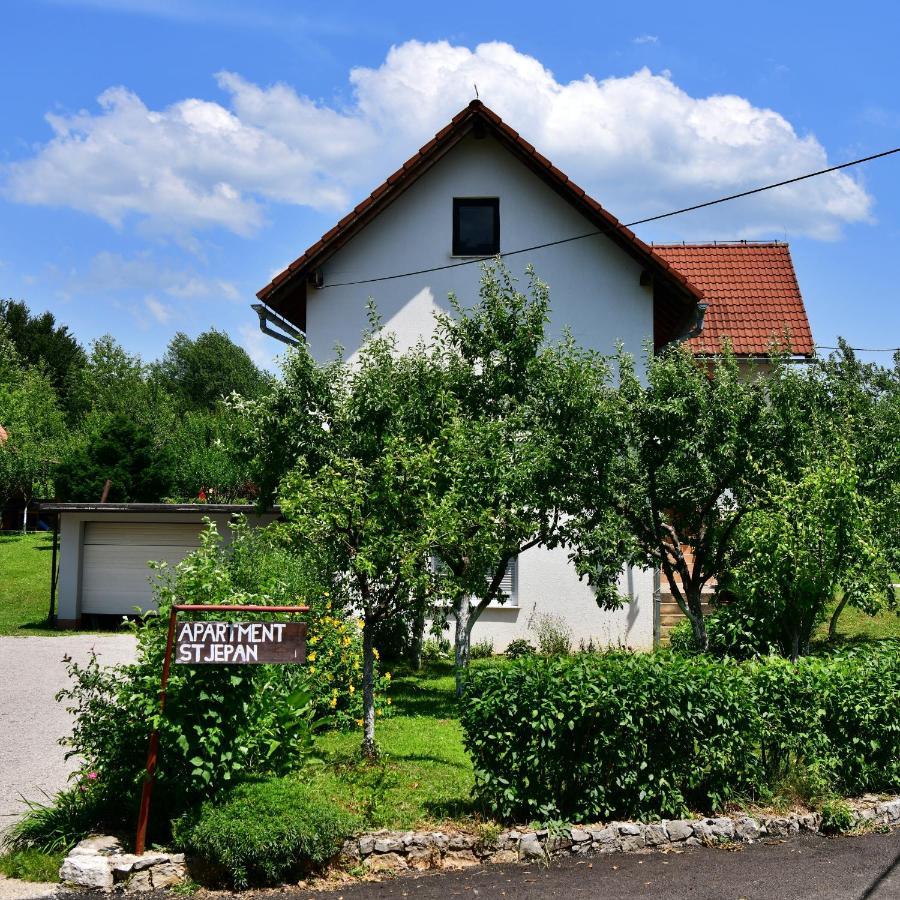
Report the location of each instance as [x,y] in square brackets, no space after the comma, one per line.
[240,643]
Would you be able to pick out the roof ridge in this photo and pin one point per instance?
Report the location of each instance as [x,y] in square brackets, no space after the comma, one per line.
[726,245]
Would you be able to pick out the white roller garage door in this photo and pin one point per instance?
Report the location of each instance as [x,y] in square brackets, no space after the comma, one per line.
[115,574]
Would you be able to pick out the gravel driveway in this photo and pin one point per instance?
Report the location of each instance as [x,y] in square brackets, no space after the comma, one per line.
[31,721]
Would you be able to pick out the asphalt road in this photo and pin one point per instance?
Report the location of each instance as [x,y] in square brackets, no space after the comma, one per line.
[32,670]
[807,866]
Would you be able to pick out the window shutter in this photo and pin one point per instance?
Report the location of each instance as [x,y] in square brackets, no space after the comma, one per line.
[508,585]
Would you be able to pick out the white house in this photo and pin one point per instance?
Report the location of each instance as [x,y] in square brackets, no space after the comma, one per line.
[478,189]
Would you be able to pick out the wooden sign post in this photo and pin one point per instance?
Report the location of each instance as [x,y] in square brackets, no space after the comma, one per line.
[219,643]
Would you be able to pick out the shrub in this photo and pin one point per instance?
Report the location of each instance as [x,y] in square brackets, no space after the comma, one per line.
[222,723]
[554,637]
[598,736]
[482,649]
[733,629]
[265,832]
[837,817]
[518,648]
[621,735]
[56,827]
[436,650]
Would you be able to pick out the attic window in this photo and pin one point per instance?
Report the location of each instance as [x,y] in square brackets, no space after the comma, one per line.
[476,226]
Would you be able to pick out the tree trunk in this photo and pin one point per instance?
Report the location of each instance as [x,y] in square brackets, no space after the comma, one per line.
[832,624]
[795,644]
[463,636]
[418,637]
[25,517]
[694,602]
[369,748]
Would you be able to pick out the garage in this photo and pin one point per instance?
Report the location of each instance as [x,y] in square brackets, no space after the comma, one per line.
[115,556]
[105,550]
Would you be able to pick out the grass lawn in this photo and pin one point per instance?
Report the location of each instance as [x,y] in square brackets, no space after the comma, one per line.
[854,625]
[31,865]
[25,582]
[423,776]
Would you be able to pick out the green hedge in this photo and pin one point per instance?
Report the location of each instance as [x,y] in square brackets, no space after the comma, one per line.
[645,735]
[264,832]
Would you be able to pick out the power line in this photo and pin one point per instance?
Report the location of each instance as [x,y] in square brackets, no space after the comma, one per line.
[656,218]
[861,349]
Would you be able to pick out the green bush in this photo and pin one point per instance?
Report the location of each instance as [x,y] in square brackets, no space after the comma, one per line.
[592,737]
[265,832]
[837,817]
[222,723]
[733,629]
[436,650]
[482,649]
[518,648]
[637,735]
[554,637]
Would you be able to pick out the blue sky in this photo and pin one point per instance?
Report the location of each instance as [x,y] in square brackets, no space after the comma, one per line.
[161,159]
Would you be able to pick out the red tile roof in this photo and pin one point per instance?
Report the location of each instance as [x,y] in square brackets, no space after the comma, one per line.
[475,116]
[752,292]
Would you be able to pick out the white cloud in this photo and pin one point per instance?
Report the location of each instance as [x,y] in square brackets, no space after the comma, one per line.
[646,39]
[159,311]
[112,273]
[639,144]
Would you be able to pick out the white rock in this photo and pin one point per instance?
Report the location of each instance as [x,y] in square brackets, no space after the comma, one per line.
[679,830]
[86,870]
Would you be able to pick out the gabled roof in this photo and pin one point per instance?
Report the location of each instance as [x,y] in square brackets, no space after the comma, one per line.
[753,296]
[476,117]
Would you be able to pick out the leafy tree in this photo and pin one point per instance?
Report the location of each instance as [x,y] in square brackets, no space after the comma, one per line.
[511,440]
[810,537]
[36,433]
[694,441]
[201,372]
[128,453]
[204,463]
[360,493]
[115,382]
[863,408]
[39,341]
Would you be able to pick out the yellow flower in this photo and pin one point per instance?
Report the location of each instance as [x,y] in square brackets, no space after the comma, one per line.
[375,653]
[333,703]
[359,721]
[360,623]
[312,670]
[312,656]
[387,676]
[389,701]
[378,712]
[352,689]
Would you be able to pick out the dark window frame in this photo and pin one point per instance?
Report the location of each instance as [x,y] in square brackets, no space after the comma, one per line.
[462,202]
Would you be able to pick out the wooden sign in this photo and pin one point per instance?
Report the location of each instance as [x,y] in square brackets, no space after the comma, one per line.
[236,643]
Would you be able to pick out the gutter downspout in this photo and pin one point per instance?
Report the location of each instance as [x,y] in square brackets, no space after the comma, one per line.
[695,326]
[657,602]
[289,335]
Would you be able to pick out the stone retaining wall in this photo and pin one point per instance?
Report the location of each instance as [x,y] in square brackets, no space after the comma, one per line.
[100,864]
[394,851]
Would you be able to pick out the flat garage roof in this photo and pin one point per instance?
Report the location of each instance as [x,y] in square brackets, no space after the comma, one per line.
[157,508]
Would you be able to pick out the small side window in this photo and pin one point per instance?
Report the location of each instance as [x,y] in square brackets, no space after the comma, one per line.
[476,226]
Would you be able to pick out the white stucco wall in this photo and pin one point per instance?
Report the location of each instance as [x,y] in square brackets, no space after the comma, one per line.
[594,285]
[595,292]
